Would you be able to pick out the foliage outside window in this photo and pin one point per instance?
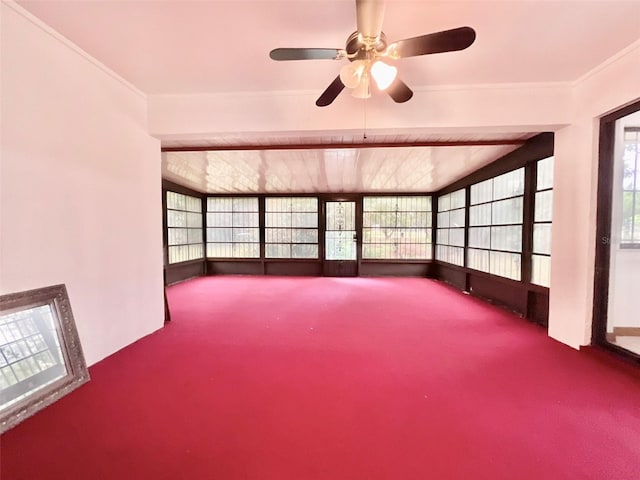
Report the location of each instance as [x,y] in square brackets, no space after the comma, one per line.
[291,227]
[630,234]
[233,227]
[450,231]
[541,258]
[396,228]
[184,227]
[495,225]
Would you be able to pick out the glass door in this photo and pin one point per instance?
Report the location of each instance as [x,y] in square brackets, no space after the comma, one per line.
[340,244]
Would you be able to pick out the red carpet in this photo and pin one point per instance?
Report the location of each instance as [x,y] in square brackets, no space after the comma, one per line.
[320,378]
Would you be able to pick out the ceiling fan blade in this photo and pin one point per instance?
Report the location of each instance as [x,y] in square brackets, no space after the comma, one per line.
[281,54]
[439,42]
[369,15]
[399,91]
[330,94]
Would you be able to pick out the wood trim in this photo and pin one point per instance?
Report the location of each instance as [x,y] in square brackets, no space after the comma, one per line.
[319,146]
[528,201]
[174,187]
[603,229]
[626,331]
[534,149]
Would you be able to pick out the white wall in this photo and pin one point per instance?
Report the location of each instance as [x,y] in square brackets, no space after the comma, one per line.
[80,187]
[614,84]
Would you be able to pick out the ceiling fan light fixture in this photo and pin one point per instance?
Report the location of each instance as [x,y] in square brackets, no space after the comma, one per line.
[351,74]
[363,89]
[383,74]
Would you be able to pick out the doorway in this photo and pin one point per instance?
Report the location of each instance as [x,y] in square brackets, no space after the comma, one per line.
[341,239]
[616,323]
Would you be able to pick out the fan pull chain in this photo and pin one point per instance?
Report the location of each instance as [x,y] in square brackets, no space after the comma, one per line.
[364,130]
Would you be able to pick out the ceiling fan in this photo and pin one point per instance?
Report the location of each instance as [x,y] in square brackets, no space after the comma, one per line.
[371,57]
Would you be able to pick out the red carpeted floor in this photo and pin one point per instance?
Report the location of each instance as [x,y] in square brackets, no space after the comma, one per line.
[319,378]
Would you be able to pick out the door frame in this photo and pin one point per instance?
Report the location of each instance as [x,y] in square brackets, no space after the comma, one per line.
[603,231]
[357,199]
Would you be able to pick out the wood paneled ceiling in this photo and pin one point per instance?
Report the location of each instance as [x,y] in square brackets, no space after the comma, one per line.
[337,168]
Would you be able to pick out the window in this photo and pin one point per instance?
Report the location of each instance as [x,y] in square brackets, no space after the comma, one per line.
[233,227]
[495,225]
[184,227]
[396,228]
[450,231]
[291,227]
[630,234]
[541,258]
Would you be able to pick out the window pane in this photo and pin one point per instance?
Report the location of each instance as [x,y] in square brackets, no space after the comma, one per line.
[194,220]
[541,270]
[194,235]
[184,227]
[396,227]
[545,174]
[509,184]
[306,235]
[456,218]
[542,238]
[304,219]
[177,236]
[309,204]
[278,204]
[506,238]
[176,219]
[506,211]
[277,219]
[220,219]
[456,237]
[291,227]
[479,237]
[246,250]
[304,251]
[278,235]
[443,220]
[246,204]
[235,232]
[505,264]
[220,250]
[482,192]
[278,250]
[458,199]
[218,204]
[246,235]
[219,234]
[628,216]
[478,259]
[194,204]
[444,203]
[544,206]
[480,215]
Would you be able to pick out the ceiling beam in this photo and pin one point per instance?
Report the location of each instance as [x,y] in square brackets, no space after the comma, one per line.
[323,146]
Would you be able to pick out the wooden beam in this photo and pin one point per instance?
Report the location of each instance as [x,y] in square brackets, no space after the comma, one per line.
[322,146]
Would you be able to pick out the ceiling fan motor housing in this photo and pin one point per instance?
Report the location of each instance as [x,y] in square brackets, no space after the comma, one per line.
[357,49]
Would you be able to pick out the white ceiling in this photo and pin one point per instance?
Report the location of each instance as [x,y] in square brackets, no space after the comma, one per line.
[193,47]
[183,47]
